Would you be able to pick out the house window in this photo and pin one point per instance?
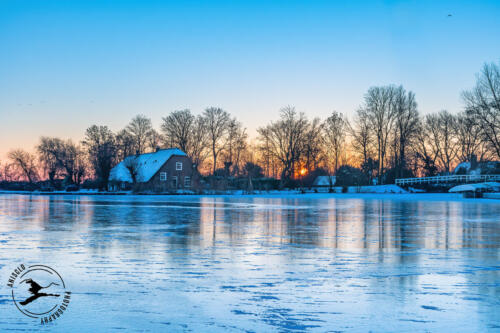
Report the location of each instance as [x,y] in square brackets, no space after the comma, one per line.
[174,181]
[178,166]
[163,176]
[187,181]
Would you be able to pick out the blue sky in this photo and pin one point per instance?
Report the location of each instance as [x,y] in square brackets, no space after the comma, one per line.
[65,65]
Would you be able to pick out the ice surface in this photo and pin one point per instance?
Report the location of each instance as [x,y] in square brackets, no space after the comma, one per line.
[327,262]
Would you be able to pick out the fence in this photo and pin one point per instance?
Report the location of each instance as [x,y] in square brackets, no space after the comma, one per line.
[448,179]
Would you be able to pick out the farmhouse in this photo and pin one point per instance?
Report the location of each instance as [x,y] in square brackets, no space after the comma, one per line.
[166,170]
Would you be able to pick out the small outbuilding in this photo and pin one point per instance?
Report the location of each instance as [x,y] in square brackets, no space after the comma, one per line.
[166,170]
[475,190]
[324,181]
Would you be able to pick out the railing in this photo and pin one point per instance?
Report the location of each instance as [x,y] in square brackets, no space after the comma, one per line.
[447,179]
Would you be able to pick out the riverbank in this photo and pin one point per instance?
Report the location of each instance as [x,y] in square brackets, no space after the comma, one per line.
[491,197]
[380,189]
[63,192]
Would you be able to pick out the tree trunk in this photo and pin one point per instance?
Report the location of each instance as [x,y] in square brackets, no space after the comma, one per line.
[214,154]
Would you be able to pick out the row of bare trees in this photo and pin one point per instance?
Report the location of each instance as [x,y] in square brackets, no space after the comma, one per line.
[214,140]
[55,158]
[386,138]
[213,134]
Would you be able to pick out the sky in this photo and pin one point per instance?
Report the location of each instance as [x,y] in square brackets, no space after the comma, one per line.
[65,65]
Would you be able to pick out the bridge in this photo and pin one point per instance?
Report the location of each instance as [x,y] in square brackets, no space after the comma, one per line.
[453,179]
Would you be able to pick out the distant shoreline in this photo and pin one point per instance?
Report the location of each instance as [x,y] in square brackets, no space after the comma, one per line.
[61,193]
[447,197]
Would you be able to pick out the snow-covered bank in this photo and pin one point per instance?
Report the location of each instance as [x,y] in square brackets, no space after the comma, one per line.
[491,196]
[377,189]
[370,196]
[450,197]
[359,189]
[378,192]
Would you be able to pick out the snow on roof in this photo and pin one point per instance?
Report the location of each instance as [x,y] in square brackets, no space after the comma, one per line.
[324,181]
[463,165]
[147,165]
[494,185]
[472,187]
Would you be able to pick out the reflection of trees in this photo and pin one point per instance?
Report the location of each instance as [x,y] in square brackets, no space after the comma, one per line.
[346,224]
[140,224]
[207,222]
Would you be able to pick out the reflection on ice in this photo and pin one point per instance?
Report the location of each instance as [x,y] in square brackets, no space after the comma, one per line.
[261,263]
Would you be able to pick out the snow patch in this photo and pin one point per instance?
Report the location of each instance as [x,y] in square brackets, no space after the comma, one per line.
[376,189]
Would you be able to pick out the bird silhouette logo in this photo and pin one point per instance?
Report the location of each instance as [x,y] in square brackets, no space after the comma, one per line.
[35,291]
[38,291]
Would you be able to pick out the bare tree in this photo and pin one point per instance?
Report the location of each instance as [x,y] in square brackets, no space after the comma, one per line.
[235,145]
[139,130]
[284,140]
[74,162]
[266,158]
[154,140]
[8,172]
[362,143]
[187,132]
[216,122]
[424,152]
[240,148]
[313,145]
[197,148]
[124,145]
[100,147]
[379,107]
[25,164]
[440,129]
[177,128]
[361,135]
[469,138]
[131,163]
[483,104]
[335,130]
[66,156]
[48,160]
[406,126]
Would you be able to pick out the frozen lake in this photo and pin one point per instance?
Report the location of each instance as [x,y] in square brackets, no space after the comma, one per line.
[315,263]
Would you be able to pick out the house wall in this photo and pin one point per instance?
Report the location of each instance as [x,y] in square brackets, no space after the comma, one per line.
[155,184]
